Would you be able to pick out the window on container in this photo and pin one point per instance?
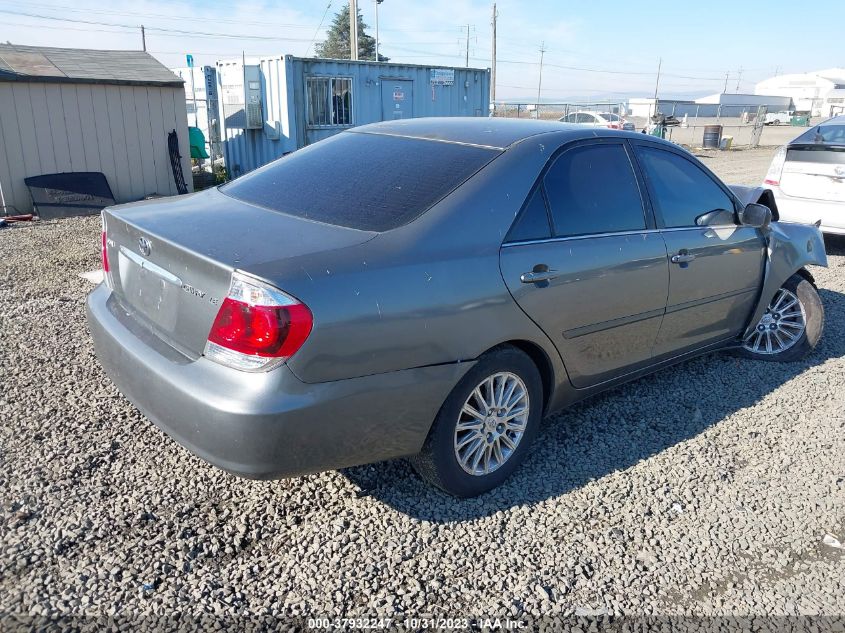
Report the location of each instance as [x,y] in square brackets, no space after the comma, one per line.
[329,101]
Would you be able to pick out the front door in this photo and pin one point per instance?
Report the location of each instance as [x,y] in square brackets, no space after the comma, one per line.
[715,264]
[397,99]
[585,262]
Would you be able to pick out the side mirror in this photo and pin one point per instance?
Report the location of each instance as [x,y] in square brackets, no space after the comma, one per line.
[756,215]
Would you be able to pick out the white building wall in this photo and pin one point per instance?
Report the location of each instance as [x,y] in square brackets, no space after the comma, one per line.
[807,90]
[121,131]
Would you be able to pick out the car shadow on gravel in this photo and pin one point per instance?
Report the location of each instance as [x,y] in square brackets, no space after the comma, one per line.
[616,430]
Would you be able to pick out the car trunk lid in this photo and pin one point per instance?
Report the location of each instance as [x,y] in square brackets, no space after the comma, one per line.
[814,171]
[171,261]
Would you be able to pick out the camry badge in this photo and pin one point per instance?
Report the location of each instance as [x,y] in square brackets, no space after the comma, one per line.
[145,246]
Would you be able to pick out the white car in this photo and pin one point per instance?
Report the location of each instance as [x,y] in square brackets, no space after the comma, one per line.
[776,118]
[807,177]
[598,119]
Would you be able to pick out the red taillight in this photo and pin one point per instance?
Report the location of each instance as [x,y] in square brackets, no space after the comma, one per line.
[104,253]
[269,331]
[257,327]
[771,182]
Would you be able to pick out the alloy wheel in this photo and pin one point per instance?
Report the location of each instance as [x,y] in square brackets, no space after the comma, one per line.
[491,423]
[780,327]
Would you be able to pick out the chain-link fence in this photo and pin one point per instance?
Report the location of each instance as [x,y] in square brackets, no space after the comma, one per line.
[738,126]
[554,111]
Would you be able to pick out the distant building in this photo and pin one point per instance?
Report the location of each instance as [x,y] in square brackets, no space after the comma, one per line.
[201,103]
[274,105]
[725,104]
[773,103]
[808,91]
[78,110]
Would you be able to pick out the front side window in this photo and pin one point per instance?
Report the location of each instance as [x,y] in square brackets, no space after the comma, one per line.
[683,193]
[329,101]
[593,189]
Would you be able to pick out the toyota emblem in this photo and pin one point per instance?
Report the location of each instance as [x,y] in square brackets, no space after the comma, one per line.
[840,170]
[145,246]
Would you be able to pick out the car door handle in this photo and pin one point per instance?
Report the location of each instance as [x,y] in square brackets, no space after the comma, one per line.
[683,257]
[537,276]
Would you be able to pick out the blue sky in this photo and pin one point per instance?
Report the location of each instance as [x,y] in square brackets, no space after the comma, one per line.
[593,48]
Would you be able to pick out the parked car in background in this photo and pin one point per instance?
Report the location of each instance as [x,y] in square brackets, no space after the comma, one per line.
[598,119]
[778,118]
[451,283]
[807,177]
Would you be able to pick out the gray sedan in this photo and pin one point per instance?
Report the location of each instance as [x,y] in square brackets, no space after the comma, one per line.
[432,288]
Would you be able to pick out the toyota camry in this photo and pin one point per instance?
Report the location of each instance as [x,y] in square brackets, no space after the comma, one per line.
[432,288]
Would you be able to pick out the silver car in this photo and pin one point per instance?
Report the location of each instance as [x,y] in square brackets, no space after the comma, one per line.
[432,288]
[807,177]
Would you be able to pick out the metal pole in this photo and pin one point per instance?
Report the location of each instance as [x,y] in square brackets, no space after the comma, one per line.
[725,89]
[194,94]
[657,83]
[377,2]
[493,65]
[738,79]
[467,63]
[353,30]
[143,39]
[540,80]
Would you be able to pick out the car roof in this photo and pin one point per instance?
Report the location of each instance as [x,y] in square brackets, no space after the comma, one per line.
[493,132]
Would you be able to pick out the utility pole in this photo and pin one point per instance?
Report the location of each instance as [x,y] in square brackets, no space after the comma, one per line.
[143,39]
[493,65]
[540,80]
[353,30]
[377,2]
[738,79]
[467,64]
[725,89]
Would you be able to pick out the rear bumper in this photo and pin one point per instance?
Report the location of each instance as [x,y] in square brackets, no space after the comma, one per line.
[808,211]
[268,425]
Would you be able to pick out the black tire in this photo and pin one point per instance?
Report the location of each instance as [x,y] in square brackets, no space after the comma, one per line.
[811,304]
[437,462]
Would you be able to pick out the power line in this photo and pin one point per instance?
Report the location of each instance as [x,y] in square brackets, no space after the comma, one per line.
[161,15]
[317,32]
[177,32]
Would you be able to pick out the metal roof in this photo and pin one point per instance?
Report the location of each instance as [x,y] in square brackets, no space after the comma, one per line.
[75,65]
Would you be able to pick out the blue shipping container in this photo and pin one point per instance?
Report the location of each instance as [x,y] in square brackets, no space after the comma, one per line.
[274,105]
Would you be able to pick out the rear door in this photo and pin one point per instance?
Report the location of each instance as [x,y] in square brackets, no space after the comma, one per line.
[585,262]
[715,265]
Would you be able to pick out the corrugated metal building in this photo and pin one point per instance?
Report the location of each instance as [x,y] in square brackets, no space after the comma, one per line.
[72,110]
[271,106]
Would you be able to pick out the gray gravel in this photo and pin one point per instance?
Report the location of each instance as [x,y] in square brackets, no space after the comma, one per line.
[714,488]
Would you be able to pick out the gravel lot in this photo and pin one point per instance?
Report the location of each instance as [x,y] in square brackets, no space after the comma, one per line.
[706,489]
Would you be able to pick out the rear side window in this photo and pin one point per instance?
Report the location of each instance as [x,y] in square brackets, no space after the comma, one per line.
[593,189]
[370,182]
[533,222]
[833,134]
[683,193]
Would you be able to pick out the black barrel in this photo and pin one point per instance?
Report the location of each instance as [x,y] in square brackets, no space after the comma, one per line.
[712,136]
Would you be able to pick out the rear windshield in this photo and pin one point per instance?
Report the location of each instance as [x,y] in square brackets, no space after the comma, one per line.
[833,134]
[607,116]
[370,182]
